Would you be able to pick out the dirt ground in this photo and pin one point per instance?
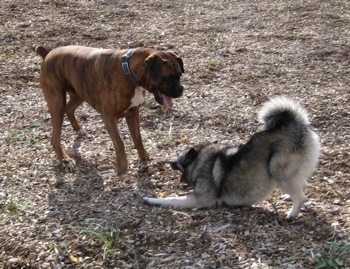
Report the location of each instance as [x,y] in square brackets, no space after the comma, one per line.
[237,54]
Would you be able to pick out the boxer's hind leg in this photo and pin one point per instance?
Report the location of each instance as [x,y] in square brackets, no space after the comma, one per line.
[112,128]
[133,122]
[56,101]
[74,102]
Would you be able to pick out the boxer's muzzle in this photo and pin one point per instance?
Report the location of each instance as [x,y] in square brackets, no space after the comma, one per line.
[164,95]
[174,92]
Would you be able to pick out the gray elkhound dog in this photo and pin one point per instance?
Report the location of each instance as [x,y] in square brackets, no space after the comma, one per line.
[283,152]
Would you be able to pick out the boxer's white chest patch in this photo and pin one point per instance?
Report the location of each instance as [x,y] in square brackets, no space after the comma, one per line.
[138,97]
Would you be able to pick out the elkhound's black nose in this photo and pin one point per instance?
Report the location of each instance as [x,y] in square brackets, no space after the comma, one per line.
[174,166]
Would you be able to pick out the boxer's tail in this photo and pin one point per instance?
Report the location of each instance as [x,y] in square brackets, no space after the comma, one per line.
[42,51]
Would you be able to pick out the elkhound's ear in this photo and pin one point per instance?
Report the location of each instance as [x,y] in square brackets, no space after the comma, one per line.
[190,156]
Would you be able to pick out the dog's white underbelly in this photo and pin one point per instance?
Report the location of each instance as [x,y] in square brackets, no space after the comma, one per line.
[138,97]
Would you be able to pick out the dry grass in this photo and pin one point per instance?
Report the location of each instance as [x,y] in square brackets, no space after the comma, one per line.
[236,54]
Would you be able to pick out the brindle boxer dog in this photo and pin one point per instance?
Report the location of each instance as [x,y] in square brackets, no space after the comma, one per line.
[113,82]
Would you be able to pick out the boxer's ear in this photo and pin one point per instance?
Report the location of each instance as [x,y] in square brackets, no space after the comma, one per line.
[154,62]
[178,59]
[181,63]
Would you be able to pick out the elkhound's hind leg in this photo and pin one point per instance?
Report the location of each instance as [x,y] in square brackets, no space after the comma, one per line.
[298,199]
[294,186]
[291,176]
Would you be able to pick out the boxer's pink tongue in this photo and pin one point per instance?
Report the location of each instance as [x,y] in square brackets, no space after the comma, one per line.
[168,102]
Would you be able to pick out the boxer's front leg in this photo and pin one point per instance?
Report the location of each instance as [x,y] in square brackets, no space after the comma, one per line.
[133,121]
[112,128]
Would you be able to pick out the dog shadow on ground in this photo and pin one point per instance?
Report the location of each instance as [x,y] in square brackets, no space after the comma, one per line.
[249,223]
[81,202]
[77,193]
[82,198]
[96,191]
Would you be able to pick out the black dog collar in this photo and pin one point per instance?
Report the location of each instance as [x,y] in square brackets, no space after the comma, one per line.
[125,66]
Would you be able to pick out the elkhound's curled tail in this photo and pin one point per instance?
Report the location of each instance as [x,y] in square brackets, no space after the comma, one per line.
[281,111]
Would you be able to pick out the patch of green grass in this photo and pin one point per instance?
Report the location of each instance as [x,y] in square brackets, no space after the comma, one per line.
[332,256]
[11,206]
[32,125]
[213,65]
[110,14]
[289,12]
[58,250]
[19,136]
[24,135]
[216,28]
[34,142]
[6,54]
[107,237]
[210,43]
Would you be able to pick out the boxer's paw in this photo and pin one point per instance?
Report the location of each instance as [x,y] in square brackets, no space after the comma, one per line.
[67,163]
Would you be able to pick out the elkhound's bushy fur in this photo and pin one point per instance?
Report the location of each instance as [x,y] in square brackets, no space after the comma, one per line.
[283,152]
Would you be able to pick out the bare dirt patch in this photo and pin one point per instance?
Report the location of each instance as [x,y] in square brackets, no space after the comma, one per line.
[236,55]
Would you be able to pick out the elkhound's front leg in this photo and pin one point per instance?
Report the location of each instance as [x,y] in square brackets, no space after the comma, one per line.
[189,201]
